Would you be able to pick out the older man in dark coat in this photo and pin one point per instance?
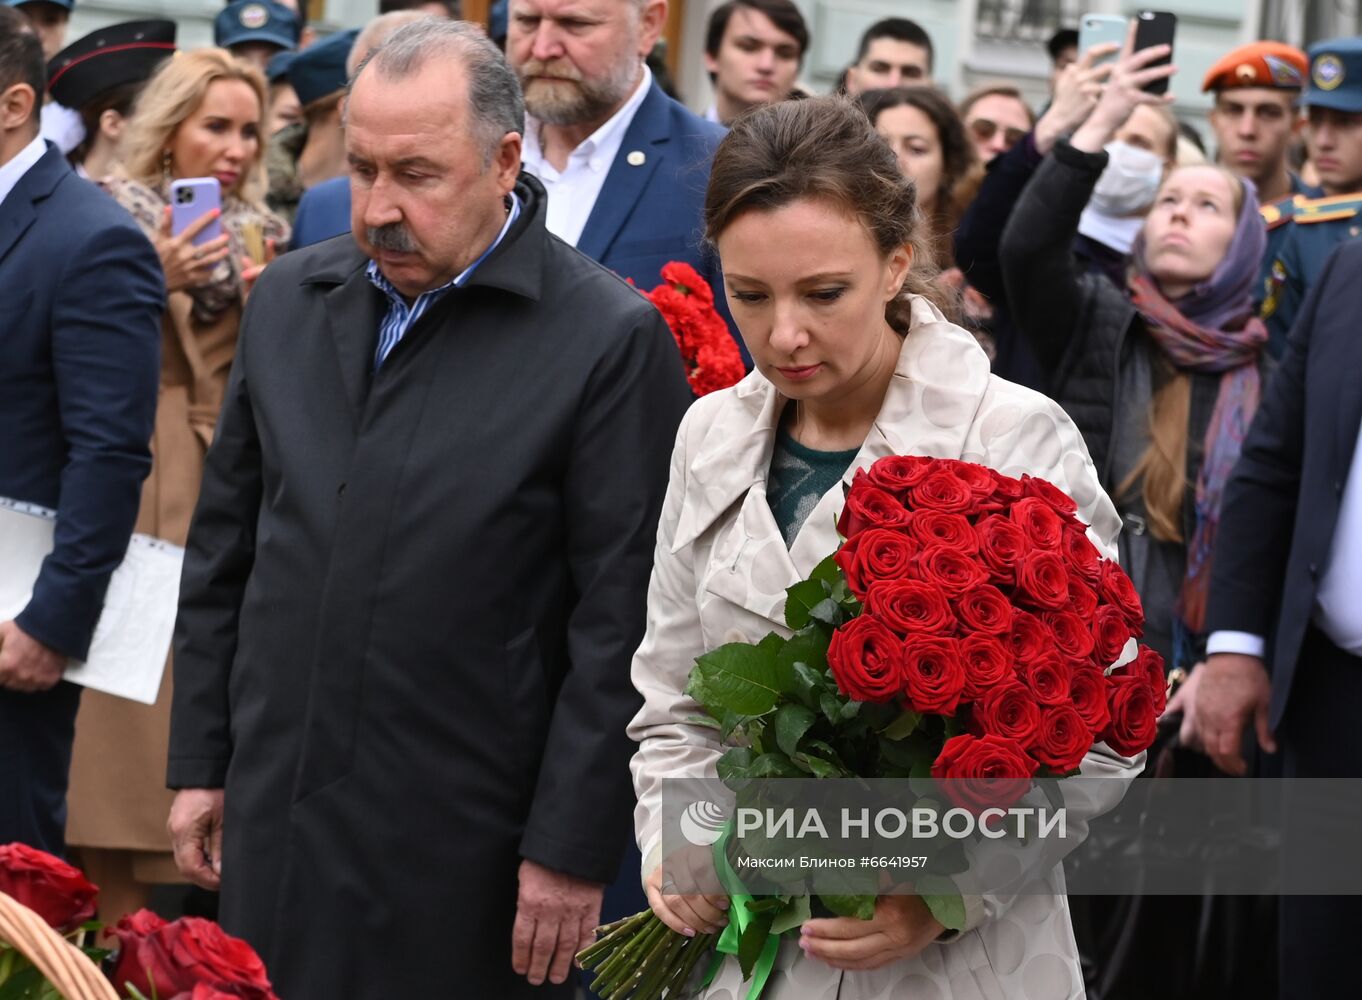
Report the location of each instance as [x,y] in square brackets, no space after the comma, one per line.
[417,571]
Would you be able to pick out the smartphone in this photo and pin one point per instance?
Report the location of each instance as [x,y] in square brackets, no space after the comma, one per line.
[1098,29]
[192,198]
[1155,27]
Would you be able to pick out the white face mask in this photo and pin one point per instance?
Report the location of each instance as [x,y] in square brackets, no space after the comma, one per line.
[1129,183]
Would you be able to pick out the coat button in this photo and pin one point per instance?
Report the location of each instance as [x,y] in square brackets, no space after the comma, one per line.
[735,635]
[340,491]
[1314,569]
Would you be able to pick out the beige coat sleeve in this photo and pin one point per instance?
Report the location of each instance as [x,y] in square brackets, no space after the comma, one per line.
[669,747]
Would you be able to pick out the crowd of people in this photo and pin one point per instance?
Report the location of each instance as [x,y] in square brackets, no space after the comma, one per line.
[454,532]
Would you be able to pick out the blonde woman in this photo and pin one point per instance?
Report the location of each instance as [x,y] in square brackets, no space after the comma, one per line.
[200,116]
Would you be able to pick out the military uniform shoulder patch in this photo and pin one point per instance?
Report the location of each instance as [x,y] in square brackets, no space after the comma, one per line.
[1311,210]
[1278,213]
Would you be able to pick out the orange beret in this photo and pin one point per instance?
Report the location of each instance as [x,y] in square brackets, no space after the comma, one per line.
[1259,64]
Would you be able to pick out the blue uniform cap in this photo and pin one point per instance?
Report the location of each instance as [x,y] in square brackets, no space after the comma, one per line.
[256,21]
[68,5]
[279,66]
[319,70]
[1336,75]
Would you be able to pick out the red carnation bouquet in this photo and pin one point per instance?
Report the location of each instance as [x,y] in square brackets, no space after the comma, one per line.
[686,302]
[187,959]
[965,631]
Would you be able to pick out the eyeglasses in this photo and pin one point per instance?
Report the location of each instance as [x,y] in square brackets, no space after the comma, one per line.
[984,129]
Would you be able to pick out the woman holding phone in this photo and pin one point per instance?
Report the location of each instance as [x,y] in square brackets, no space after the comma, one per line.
[200,117]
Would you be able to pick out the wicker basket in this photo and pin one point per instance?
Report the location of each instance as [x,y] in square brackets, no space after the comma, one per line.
[64,965]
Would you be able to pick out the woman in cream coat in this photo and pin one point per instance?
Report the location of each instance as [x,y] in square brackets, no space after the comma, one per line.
[819,239]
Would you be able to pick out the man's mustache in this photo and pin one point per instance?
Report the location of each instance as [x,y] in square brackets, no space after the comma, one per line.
[560,68]
[393,237]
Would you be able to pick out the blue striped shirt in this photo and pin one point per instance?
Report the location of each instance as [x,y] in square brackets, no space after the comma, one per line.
[400,316]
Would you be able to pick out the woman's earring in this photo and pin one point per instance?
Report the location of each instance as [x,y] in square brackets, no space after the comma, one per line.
[165,168]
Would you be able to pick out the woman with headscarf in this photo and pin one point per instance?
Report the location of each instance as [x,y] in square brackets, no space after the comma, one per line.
[1162,374]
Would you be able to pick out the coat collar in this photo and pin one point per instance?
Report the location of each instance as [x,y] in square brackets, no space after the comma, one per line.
[17,211]
[649,133]
[355,308]
[937,388]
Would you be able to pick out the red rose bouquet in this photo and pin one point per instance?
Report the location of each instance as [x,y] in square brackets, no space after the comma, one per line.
[188,959]
[965,631]
[710,354]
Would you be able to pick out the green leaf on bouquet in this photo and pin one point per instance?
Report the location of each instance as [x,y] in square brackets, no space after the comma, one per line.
[795,913]
[705,721]
[735,763]
[831,706]
[943,900]
[800,600]
[808,684]
[752,942]
[862,907]
[737,678]
[766,904]
[772,643]
[773,765]
[819,767]
[850,710]
[902,727]
[808,646]
[827,611]
[792,722]
[21,984]
[825,750]
[828,572]
[905,753]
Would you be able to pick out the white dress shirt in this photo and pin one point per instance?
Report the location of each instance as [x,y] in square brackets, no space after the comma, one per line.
[573,192]
[1338,608]
[13,171]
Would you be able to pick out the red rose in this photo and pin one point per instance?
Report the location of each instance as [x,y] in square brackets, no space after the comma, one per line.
[1118,591]
[1001,546]
[1072,637]
[952,530]
[942,490]
[47,885]
[988,663]
[868,507]
[867,660]
[1041,525]
[1009,710]
[1082,555]
[1043,581]
[205,992]
[982,480]
[984,609]
[1006,490]
[934,672]
[1110,633]
[1048,679]
[130,932]
[898,474]
[1088,692]
[1150,665]
[1055,498]
[1082,598]
[1064,739]
[875,554]
[983,772]
[1030,638]
[952,571]
[1134,723]
[192,951]
[908,606]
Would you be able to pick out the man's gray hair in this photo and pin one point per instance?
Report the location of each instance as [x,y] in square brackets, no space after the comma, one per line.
[496,105]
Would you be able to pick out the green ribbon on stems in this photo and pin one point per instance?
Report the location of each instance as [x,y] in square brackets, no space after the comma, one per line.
[744,926]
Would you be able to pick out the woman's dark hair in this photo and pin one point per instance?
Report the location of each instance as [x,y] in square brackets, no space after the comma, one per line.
[120,99]
[824,148]
[960,167]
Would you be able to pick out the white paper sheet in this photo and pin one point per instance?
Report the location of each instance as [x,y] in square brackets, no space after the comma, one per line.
[131,641]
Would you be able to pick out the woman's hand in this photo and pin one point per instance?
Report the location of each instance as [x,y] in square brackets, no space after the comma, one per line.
[186,265]
[1123,93]
[250,270]
[1076,94]
[685,914]
[901,928]
[1184,701]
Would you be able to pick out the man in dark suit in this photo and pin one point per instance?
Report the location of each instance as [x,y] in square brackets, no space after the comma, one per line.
[417,572]
[1284,593]
[81,294]
[625,166]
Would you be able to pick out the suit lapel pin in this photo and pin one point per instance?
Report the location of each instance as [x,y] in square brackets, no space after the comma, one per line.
[636,158]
